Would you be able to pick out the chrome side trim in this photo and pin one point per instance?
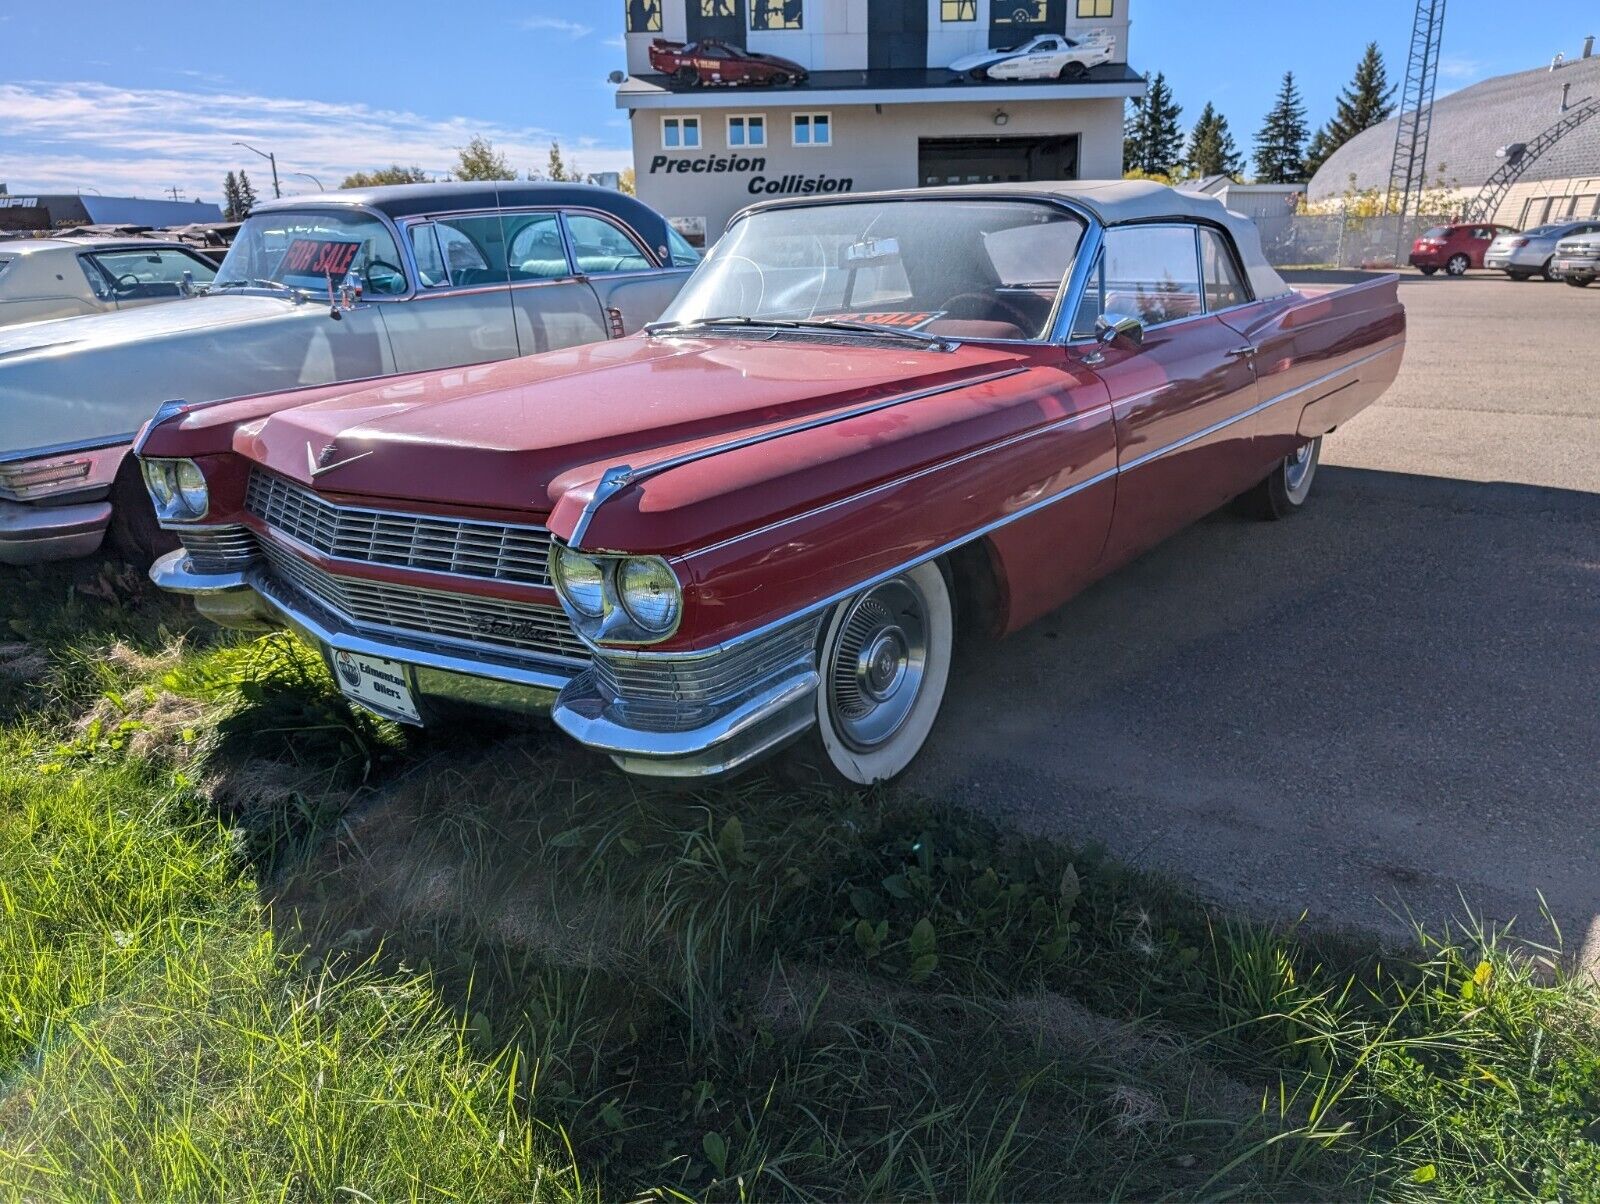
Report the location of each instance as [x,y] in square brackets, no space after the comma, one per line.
[62,449]
[1032,508]
[623,475]
[1196,436]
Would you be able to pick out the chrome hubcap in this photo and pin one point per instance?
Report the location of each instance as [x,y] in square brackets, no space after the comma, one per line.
[1297,469]
[875,671]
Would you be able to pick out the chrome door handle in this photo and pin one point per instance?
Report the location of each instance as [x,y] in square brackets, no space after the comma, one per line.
[1239,353]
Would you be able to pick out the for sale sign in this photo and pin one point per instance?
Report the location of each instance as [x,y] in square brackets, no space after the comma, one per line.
[318,259]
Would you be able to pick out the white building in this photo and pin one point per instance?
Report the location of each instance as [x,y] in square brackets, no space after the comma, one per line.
[878,108]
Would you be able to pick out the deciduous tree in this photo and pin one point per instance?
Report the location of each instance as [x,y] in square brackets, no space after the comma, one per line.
[393,174]
[478,160]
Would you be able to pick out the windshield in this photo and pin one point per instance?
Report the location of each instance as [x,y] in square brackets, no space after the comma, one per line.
[958,268]
[303,248]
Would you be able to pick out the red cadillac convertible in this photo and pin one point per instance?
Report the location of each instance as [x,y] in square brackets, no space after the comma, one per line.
[868,425]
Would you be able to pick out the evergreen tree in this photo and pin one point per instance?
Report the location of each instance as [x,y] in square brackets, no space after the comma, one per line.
[1280,155]
[232,202]
[247,196]
[393,174]
[1367,100]
[1211,148]
[1153,143]
[478,160]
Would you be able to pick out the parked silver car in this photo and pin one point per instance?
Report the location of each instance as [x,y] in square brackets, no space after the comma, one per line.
[315,290]
[44,278]
[1577,259]
[1528,253]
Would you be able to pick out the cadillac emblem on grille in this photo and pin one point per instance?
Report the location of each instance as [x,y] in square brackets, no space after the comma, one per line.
[323,461]
[508,629]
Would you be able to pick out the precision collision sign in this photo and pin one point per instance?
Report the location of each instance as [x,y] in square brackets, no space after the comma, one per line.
[792,184]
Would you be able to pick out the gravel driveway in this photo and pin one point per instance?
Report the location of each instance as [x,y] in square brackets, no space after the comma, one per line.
[1388,704]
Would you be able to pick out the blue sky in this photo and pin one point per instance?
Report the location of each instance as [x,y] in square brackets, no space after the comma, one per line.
[138,107]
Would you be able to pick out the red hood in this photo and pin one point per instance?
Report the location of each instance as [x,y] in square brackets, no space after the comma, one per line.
[519,434]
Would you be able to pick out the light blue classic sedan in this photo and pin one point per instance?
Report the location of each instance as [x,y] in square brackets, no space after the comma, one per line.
[315,290]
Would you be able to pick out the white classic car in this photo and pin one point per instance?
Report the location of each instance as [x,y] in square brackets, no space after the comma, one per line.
[315,290]
[1048,56]
[43,278]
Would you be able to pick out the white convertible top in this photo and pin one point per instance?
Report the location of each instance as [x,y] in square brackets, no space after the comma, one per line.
[1113,202]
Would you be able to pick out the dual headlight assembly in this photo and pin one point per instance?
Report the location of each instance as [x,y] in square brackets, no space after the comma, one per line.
[626,599]
[178,489]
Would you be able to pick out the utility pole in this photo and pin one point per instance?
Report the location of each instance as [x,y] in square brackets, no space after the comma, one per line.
[270,158]
[174,191]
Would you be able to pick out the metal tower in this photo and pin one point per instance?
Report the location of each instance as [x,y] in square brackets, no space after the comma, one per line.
[1408,168]
[1519,157]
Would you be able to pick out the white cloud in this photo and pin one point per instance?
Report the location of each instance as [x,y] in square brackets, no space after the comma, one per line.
[66,136]
[572,29]
[1458,68]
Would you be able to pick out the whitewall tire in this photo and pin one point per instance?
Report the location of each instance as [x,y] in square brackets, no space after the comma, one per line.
[884,662]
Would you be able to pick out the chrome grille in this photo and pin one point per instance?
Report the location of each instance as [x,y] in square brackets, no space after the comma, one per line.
[409,614]
[667,693]
[467,547]
[223,549]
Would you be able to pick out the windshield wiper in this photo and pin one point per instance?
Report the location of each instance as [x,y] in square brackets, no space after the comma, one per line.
[261,282]
[922,338]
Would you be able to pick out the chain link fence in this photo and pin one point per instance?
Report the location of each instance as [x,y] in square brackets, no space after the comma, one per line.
[1340,241]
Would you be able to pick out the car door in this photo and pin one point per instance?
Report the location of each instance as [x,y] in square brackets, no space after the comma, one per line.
[461,312]
[630,288]
[554,305]
[1182,398]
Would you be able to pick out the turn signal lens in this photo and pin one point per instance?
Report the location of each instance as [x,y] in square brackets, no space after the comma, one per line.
[582,582]
[650,592]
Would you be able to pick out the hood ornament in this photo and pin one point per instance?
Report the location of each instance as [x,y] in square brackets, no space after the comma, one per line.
[319,462]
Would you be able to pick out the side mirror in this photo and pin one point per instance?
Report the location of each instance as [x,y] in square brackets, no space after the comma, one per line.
[1109,325]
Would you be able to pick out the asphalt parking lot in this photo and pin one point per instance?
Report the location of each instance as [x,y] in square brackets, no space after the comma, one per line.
[1386,706]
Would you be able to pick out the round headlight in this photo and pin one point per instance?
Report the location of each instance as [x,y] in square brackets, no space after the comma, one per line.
[650,592]
[192,488]
[159,480]
[582,582]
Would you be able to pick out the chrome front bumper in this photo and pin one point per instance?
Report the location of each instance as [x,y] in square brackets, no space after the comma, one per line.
[32,533]
[748,727]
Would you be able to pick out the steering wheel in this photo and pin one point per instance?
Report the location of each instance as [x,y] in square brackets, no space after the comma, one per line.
[987,304]
[394,272]
[126,283]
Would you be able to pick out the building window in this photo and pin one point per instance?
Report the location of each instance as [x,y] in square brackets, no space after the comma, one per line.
[1098,9]
[644,16]
[680,133]
[813,129]
[776,14]
[747,129]
[958,10]
[719,8]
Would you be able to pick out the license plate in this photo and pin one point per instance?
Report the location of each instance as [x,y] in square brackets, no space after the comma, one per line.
[378,684]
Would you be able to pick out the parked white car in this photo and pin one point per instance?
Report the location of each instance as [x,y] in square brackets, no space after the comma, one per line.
[1048,56]
[44,278]
[315,290]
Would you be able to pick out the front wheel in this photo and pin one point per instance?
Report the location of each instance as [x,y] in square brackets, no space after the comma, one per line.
[1457,265]
[686,77]
[884,662]
[1577,281]
[1288,485]
[1427,271]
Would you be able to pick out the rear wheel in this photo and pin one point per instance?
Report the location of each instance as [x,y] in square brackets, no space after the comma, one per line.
[1072,70]
[134,533]
[1457,265]
[1288,485]
[884,662]
[685,77]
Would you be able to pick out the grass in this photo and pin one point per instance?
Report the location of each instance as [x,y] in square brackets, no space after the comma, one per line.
[255,947]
